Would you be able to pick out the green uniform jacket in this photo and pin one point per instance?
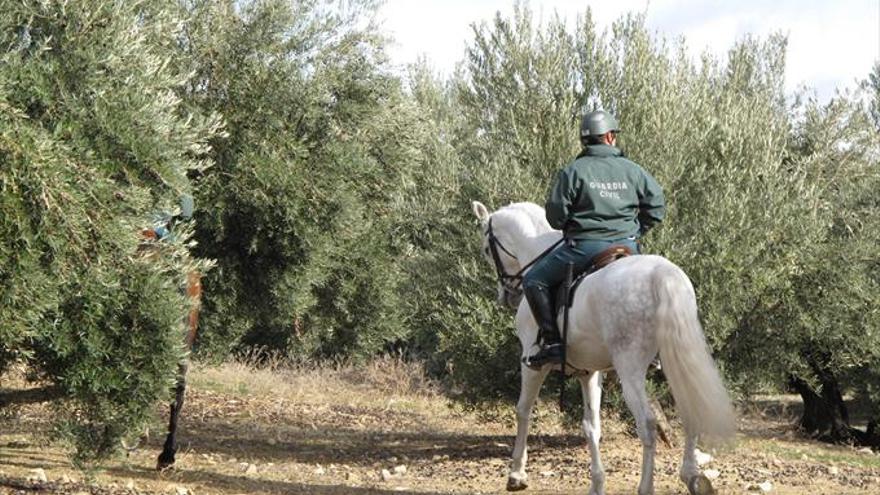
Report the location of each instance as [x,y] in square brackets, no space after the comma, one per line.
[602,195]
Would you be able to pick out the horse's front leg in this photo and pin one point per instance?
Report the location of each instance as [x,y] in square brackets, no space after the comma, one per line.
[194,293]
[166,458]
[531,385]
[591,389]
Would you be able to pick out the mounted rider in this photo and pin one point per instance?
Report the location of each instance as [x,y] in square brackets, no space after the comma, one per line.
[599,200]
[164,222]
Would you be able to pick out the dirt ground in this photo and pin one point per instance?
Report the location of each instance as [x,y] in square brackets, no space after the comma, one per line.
[334,431]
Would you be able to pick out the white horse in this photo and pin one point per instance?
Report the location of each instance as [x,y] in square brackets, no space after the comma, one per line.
[620,317]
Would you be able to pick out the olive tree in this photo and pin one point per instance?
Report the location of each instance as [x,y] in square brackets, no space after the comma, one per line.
[817,332]
[93,141]
[297,209]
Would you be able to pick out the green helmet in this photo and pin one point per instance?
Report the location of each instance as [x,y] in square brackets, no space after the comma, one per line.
[598,123]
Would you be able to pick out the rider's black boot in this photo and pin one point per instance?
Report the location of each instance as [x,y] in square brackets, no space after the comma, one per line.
[541,303]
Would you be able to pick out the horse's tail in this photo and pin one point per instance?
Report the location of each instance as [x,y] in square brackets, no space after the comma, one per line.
[700,396]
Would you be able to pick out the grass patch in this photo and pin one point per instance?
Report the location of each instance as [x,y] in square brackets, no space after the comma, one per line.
[831,455]
[385,380]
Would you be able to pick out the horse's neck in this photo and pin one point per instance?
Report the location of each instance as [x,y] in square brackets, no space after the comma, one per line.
[530,233]
[532,247]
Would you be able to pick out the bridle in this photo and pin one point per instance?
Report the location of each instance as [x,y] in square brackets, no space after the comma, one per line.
[512,284]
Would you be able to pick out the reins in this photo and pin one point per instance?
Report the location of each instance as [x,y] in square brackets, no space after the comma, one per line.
[511,283]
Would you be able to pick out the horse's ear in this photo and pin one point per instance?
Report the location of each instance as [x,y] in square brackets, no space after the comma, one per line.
[480,211]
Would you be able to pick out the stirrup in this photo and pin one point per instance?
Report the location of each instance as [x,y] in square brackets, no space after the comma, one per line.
[548,354]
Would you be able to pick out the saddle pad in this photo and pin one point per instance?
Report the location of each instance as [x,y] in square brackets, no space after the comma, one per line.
[601,260]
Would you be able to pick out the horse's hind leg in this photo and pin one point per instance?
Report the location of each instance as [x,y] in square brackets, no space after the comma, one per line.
[591,388]
[632,383]
[531,385]
[697,483]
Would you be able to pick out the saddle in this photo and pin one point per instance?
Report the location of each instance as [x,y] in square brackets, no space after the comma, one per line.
[599,261]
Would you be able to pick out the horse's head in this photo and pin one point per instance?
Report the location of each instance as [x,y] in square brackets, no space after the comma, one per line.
[498,248]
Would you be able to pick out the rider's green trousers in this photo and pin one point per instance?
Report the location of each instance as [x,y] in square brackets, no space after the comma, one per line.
[549,272]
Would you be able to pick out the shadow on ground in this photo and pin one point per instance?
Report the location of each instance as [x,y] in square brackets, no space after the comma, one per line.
[294,438]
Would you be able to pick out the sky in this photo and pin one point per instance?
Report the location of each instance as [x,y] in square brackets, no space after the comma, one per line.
[831,44]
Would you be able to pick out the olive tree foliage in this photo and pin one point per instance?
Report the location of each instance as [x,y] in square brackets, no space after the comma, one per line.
[297,209]
[93,141]
[745,208]
[872,86]
[520,100]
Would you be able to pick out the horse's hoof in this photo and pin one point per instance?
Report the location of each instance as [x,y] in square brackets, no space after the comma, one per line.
[165,462]
[596,490]
[515,484]
[700,485]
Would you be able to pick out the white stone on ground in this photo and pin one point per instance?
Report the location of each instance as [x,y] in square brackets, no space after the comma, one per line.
[38,475]
[764,487]
[702,457]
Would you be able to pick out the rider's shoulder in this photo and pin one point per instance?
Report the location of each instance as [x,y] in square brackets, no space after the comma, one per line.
[627,162]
